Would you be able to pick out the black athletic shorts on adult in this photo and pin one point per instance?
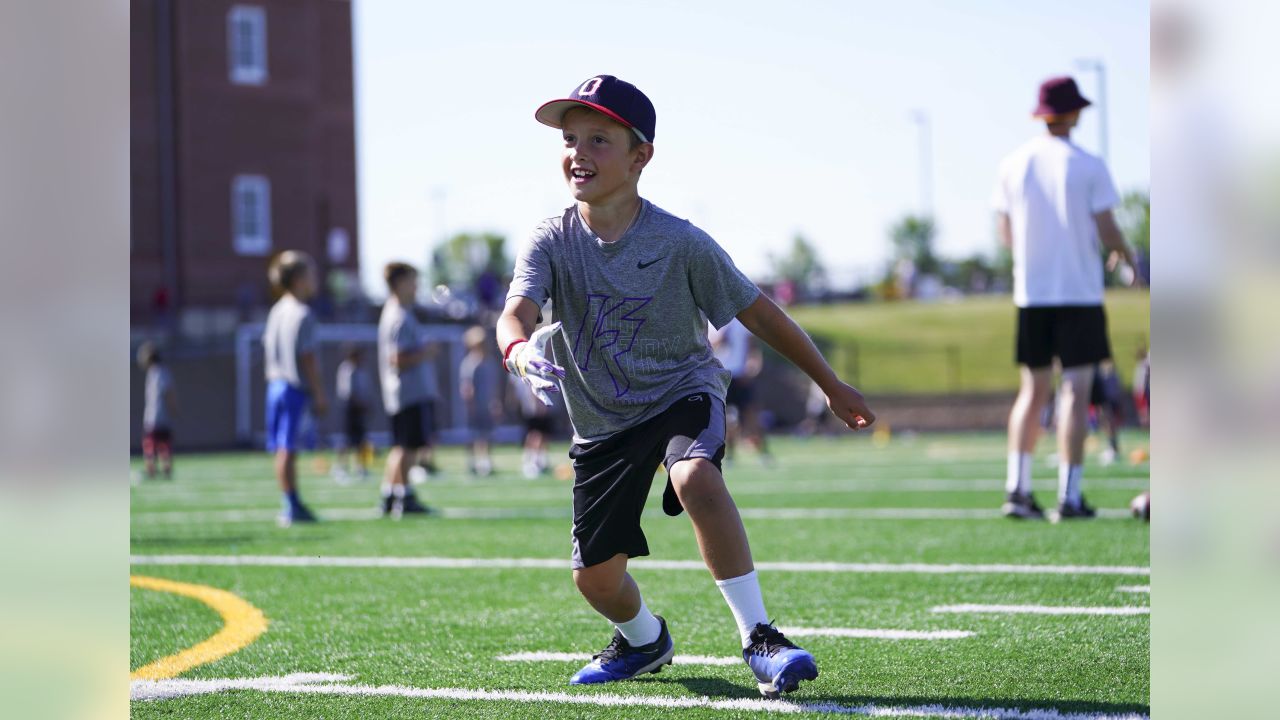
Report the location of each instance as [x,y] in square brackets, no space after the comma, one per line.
[1075,334]
[411,428]
[612,476]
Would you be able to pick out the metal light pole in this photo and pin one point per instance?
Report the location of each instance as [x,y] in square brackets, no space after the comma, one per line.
[925,149]
[1100,71]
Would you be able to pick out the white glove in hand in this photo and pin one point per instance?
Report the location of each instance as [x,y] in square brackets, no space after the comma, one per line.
[528,361]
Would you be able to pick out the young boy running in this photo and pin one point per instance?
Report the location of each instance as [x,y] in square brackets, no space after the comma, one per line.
[632,288]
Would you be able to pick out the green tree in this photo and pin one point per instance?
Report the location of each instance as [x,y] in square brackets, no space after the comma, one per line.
[463,257]
[912,238]
[1134,217]
[801,265]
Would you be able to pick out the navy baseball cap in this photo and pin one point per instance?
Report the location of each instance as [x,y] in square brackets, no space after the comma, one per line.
[609,96]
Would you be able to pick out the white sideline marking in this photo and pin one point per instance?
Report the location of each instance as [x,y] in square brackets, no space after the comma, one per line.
[320,684]
[1134,589]
[877,633]
[332,514]
[563,564]
[1042,610]
[546,656]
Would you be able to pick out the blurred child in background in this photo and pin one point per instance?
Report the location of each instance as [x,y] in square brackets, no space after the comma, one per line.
[478,378]
[160,405]
[408,388]
[1106,407]
[537,429]
[355,394]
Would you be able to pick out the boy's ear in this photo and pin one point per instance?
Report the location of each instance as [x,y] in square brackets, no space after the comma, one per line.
[643,154]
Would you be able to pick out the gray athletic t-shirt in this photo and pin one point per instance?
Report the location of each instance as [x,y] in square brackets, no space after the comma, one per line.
[634,314]
[399,329]
[290,333]
[155,411]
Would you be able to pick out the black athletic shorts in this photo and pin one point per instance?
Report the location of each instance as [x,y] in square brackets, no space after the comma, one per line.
[354,424]
[1075,334]
[739,394]
[613,476]
[411,428]
[539,423]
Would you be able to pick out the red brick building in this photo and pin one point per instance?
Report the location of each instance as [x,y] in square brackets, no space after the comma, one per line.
[243,145]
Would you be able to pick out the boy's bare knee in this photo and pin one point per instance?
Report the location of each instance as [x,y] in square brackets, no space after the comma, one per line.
[696,478]
[597,582]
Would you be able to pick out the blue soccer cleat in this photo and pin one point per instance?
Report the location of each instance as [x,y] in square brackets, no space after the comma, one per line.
[778,664]
[620,661]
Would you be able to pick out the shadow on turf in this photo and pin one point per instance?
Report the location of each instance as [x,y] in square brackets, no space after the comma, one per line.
[706,686]
[719,688]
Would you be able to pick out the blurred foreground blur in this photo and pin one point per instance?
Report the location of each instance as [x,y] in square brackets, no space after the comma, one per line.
[1215,285]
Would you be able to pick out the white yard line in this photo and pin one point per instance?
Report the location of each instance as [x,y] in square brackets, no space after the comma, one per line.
[563,564]
[1042,610]
[1134,589]
[345,514]
[319,684]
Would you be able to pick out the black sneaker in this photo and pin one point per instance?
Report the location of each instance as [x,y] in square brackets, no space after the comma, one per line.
[408,505]
[1023,507]
[778,664]
[388,504]
[1068,511]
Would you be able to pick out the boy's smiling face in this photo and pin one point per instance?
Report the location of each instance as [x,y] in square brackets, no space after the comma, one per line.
[599,161]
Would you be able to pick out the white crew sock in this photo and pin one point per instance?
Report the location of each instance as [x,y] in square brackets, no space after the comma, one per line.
[743,595]
[1018,479]
[642,629]
[1069,483]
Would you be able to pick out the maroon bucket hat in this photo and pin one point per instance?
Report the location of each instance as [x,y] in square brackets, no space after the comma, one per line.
[1059,96]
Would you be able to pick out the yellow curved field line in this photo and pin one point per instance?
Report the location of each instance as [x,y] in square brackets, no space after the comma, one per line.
[242,623]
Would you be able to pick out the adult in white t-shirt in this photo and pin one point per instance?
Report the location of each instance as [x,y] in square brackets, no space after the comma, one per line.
[1053,204]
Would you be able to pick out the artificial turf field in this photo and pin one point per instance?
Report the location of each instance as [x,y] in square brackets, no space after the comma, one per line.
[910,528]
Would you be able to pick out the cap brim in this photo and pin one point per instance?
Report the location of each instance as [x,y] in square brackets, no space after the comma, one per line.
[1046,112]
[552,113]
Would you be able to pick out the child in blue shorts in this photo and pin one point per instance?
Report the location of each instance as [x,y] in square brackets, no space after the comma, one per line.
[290,358]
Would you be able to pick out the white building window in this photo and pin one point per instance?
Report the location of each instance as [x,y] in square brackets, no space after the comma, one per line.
[251,214]
[247,44]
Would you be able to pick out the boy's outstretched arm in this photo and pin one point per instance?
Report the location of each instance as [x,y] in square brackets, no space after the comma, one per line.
[768,322]
[519,317]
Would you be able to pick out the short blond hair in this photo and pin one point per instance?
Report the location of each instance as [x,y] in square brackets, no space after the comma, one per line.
[287,268]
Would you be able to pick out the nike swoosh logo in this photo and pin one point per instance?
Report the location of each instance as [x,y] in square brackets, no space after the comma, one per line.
[643,265]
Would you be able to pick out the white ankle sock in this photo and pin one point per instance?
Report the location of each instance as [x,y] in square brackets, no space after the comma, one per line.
[1069,483]
[743,595]
[642,629]
[1018,479]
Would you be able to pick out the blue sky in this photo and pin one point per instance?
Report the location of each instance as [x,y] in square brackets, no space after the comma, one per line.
[773,118]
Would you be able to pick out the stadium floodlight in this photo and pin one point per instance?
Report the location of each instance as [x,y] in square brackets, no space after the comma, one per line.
[1099,69]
